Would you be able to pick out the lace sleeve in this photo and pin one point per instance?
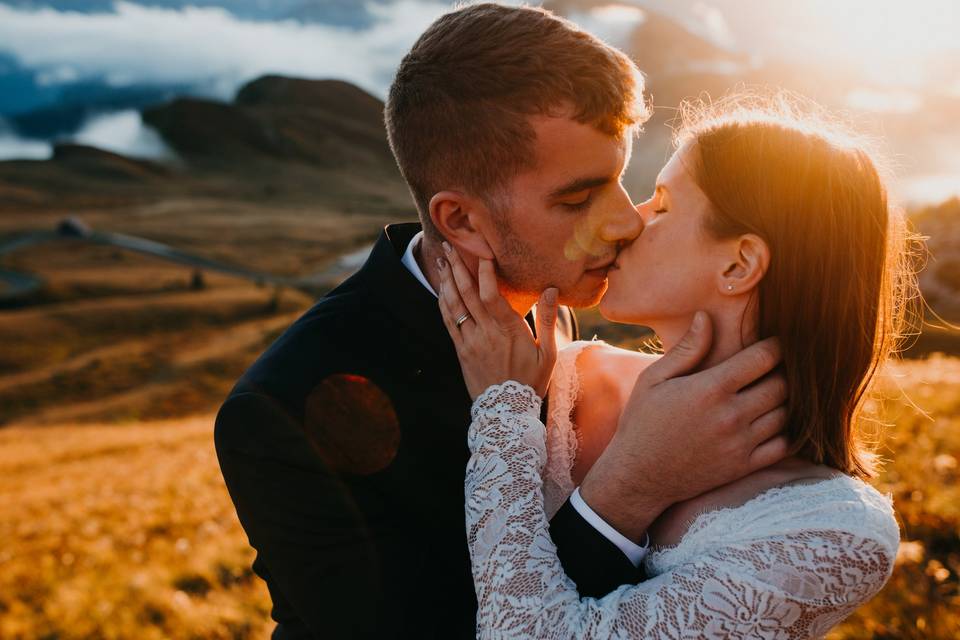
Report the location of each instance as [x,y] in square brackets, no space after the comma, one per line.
[791,584]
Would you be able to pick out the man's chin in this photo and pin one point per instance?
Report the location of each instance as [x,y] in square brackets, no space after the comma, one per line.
[583,297]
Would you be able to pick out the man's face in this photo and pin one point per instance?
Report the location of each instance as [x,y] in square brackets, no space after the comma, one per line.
[564,220]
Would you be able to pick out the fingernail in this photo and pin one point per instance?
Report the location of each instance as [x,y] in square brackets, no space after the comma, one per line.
[446,246]
[698,321]
[441,263]
[552,295]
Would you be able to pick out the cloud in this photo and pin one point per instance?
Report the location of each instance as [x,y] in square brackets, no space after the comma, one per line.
[710,22]
[614,23]
[15,147]
[123,132]
[209,46]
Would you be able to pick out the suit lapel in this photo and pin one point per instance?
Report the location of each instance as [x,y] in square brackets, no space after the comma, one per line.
[402,296]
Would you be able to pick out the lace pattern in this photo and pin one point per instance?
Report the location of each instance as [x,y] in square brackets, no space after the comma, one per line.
[563,440]
[790,564]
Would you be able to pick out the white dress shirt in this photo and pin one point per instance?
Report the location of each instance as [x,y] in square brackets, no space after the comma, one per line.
[634,552]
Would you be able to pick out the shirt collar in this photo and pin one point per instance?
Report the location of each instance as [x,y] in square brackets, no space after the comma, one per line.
[409,260]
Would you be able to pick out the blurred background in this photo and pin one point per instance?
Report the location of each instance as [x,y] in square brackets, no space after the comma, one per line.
[180,179]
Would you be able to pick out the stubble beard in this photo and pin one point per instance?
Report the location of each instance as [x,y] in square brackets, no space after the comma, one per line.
[523,273]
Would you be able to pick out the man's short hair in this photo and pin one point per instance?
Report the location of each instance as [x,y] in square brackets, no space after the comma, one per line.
[458,111]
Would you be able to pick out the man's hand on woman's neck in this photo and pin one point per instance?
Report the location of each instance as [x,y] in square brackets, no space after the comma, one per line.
[734,329]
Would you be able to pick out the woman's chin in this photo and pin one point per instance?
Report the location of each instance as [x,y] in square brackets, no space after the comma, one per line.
[606,309]
[613,311]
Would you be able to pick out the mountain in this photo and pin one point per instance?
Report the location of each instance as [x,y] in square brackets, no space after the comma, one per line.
[326,124]
[281,139]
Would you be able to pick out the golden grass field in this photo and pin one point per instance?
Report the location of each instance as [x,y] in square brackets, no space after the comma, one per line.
[122,531]
[125,530]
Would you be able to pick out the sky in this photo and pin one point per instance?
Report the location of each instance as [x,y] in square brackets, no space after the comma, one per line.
[895,44]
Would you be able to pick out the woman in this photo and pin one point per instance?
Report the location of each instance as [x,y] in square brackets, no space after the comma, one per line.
[773,224]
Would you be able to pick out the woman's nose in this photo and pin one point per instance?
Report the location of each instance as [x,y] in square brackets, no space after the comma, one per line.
[645,210]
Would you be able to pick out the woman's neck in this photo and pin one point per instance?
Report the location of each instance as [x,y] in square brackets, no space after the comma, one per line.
[733,330]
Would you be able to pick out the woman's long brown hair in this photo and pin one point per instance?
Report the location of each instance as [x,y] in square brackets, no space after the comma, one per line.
[837,283]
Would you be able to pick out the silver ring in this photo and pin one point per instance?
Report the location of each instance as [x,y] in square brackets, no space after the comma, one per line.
[463,319]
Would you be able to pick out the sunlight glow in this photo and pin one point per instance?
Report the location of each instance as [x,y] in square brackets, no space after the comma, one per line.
[891,40]
[884,101]
[928,189]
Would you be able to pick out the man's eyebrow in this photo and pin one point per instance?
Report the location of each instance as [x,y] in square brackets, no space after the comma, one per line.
[578,185]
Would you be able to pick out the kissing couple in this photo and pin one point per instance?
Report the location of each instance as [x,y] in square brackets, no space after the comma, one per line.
[431,452]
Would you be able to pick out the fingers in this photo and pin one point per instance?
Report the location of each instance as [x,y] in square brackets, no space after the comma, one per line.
[748,365]
[451,306]
[547,322]
[762,397]
[768,453]
[767,426]
[686,355]
[498,308]
[465,285]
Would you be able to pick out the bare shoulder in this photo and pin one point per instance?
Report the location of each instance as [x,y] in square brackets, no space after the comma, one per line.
[604,369]
[606,375]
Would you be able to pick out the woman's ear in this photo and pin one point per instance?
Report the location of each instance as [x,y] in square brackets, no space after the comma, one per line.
[459,218]
[748,264]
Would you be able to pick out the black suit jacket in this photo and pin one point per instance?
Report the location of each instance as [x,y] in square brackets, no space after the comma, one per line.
[343,448]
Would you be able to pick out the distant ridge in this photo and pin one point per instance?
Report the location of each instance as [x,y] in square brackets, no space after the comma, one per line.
[106,164]
[328,123]
[318,141]
[335,96]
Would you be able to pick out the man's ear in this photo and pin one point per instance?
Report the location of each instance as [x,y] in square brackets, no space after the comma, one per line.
[462,220]
[748,263]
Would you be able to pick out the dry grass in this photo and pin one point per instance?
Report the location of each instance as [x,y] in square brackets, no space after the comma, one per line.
[122,337]
[122,532]
[921,405]
[126,531]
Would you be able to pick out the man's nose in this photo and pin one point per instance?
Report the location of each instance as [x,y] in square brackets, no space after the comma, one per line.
[622,226]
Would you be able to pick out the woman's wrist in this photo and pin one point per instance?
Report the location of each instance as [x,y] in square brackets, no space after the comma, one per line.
[510,395]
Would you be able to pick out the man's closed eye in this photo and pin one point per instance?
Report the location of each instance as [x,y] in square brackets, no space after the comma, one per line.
[578,205]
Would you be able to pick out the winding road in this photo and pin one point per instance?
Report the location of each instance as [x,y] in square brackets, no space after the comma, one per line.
[15,284]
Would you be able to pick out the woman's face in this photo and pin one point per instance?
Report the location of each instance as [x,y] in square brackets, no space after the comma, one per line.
[674,267]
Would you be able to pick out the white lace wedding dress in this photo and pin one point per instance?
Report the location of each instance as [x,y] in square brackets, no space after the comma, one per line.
[790,563]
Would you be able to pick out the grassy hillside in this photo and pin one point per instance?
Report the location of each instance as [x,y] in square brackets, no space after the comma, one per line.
[122,532]
[126,530]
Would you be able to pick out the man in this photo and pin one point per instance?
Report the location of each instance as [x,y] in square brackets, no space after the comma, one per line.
[344,445]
